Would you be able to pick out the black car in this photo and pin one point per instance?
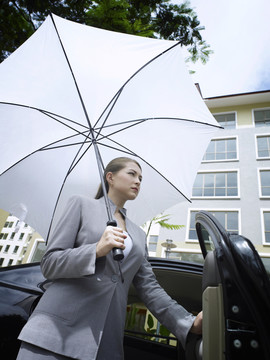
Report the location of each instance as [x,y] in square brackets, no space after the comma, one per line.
[22,286]
[232,288]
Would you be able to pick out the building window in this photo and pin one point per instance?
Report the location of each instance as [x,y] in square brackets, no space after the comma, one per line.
[21,236]
[221,149]
[228,219]
[186,256]
[266,223]
[3,236]
[263,146]
[262,117]
[265,182]
[226,120]
[153,239]
[9,224]
[7,248]
[1,261]
[215,184]
[10,262]
[175,255]
[16,248]
[12,236]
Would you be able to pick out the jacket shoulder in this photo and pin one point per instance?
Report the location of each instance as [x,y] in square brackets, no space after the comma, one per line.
[82,200]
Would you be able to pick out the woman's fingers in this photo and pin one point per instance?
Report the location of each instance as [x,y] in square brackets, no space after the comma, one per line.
[112,237]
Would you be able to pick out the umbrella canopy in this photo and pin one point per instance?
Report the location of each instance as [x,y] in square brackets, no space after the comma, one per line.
[71,85]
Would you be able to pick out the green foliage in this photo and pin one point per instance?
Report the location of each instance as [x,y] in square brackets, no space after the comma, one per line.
[150,322]
[14,29]
[19,19]
[162,220]
[131,317]
[157,19]
[151,329]
[109,15]
[132,324]
[200,51]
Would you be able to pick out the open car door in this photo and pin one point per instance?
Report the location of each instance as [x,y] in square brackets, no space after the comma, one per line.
[236,295]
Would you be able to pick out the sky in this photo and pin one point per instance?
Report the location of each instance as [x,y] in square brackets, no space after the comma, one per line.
[238,31]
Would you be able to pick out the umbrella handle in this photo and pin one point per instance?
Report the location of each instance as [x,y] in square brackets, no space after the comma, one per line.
[117,253]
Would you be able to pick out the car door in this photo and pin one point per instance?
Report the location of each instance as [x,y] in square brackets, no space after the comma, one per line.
[236,295]
[20,290]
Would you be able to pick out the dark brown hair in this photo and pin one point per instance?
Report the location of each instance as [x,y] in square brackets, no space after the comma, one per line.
[114,166]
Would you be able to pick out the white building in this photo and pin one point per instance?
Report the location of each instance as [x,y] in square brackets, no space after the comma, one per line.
[233,181]
[19,243]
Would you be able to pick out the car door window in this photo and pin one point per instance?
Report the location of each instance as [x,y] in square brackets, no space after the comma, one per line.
[207,239]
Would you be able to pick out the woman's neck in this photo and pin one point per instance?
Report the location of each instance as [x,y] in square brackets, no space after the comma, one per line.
[118,202]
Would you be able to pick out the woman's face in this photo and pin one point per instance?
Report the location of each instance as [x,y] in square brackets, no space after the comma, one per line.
[125,184]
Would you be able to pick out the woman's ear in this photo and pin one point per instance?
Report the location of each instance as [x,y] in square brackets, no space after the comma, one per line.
[109,177]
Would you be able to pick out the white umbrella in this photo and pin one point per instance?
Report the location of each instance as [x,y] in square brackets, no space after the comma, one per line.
[71,86]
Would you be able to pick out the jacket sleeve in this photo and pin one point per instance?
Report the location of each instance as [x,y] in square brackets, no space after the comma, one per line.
[172,315]
[63,259]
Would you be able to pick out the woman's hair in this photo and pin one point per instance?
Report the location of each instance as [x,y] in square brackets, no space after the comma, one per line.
[114,166]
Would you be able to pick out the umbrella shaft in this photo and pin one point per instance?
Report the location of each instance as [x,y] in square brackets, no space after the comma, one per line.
[117,253]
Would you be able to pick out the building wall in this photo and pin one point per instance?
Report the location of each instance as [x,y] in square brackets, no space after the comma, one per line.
[248,203]
[3,218]
[244,112]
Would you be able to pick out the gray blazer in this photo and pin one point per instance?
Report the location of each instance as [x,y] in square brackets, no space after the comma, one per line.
[82,313]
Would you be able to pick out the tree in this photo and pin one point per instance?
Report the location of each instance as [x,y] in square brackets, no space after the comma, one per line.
[156,19]
[20,18]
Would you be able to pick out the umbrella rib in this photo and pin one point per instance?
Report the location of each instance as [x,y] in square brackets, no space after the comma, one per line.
[63,146]
[52,116]
[139,121]
[114,100]
[72,166]
[48,113]
[72,73]
[118,93]
[130,152]
[120,130]
[47,147]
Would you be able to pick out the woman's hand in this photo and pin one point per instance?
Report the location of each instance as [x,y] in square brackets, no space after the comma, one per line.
[112,237]
[197,325]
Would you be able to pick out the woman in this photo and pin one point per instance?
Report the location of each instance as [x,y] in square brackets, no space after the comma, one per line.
[82,313]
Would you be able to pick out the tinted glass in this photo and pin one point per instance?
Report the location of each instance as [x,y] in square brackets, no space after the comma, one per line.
[207,240]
